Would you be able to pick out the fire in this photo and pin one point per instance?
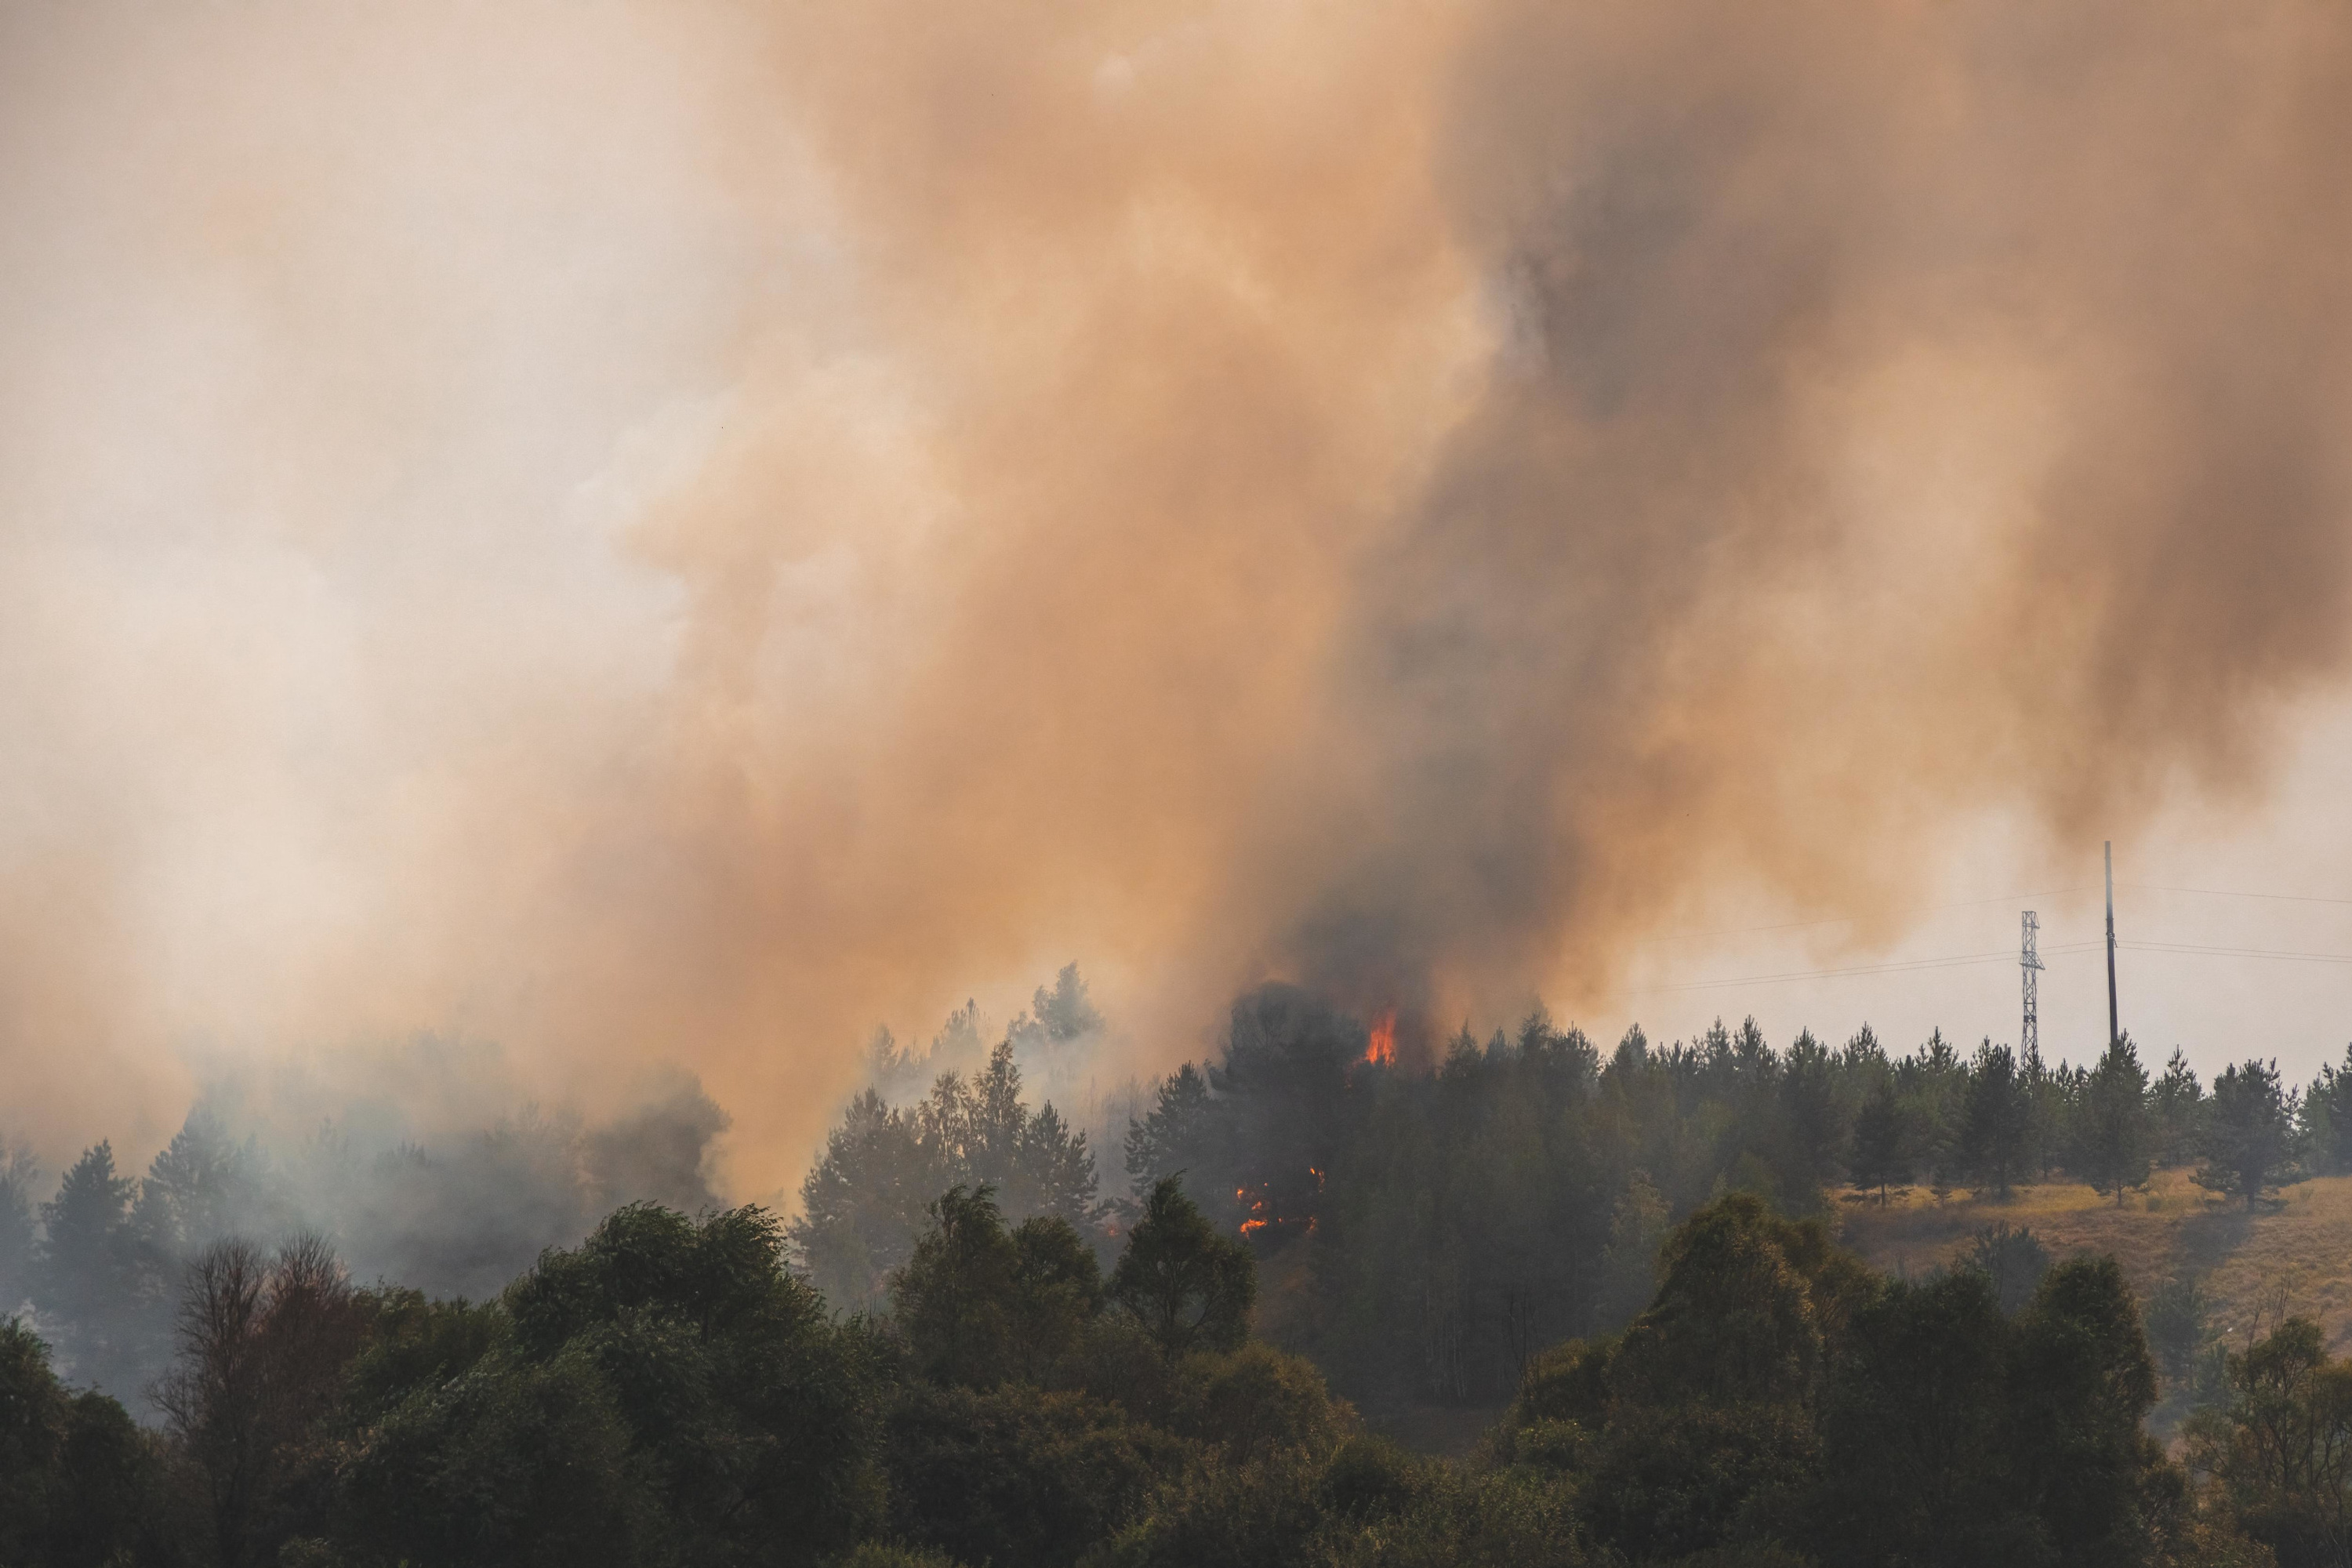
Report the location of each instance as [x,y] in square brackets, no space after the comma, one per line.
[1256,1221]
[1383,1047]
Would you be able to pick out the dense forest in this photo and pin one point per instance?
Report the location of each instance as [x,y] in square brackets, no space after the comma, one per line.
[1430,1226]
[964,1352]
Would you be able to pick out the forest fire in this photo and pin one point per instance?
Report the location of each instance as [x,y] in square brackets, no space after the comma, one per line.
[1256,1220]
[1382,1049]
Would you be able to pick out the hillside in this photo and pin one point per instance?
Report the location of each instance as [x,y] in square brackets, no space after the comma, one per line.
[2293,1255]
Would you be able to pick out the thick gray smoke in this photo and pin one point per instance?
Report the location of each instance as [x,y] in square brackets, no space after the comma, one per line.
[403,1196]
[1900,409]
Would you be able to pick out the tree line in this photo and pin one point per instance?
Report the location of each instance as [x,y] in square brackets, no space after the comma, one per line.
[1438,1225]
[670,1392]
[962,1353]
[95,1266]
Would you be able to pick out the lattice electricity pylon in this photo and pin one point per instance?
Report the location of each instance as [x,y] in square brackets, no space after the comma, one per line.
[2030,963]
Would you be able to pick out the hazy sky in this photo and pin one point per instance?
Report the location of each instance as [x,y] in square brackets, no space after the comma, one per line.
[669,533]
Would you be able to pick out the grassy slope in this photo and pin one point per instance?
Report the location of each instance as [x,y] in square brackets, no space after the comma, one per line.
[2295,1253]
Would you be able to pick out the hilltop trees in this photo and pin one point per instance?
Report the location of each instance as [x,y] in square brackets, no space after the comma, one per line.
[1881,1155]
[2112,1144]
[2177,1108]
[94,1273]
[666,1395]
[2327,1116]
[864,1203]
[2249,1142]
[19,1173]
[1777,1402]
[1996,1135]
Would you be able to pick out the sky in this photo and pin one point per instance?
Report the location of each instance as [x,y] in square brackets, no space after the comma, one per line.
[661,536]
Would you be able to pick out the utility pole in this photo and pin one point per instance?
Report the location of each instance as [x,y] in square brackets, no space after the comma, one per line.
[2030,1041]
[2114,1034]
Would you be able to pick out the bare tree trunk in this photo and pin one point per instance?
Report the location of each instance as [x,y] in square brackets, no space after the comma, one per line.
[214,1394]
[262,1348]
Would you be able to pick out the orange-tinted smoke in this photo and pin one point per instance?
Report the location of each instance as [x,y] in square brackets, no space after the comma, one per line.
[671,533]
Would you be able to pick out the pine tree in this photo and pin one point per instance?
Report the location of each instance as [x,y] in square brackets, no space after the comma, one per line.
[1993,1138]
[1809,1114]
[2112,1134]
[2327,1116]
[1066,1013]
[1180,1132]
[2250,1132]
[105,1289]
[2178,1103]
[1882,1141]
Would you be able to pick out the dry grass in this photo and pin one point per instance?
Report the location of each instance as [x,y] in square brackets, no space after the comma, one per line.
[2294,1252]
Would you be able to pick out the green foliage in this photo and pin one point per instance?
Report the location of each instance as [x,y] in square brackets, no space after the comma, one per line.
[2012,1259]
[2177,1109]
[80,1484]
[977,1303]
[953,1300]
[2113,1139]
[2279,1449]
[1881,1153]
[1017,1474]
[666,1388]
[1777,1402]
[2081,1381]
[1996,1134]
[1914,1433]
[515,1460]
[2180,1331]
[884,1554]
[1255,1404]
[864,1203]
[1189,1287]
[1263,1515]
[2250,1143]
[1454,1518]
[2326,1109]
[18,1174]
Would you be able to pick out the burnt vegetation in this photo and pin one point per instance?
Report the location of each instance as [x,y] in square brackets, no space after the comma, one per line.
[1621,1265]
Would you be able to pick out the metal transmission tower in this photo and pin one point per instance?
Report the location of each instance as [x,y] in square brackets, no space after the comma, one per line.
[2030,1041]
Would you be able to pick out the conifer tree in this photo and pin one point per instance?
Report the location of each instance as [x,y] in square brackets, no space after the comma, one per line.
[17,1173]
[1994,1136]
[2250,1132]
[2327,1116]
[1882,1143]
[2113,1141]
[2177,1103]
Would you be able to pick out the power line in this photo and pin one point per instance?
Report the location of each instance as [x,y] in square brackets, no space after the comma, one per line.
[2226,893]
[1959,960]
[1827,973]
[2237,951]
[1849,919]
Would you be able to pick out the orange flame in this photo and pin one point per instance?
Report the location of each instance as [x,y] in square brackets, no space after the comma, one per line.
[1383,1047]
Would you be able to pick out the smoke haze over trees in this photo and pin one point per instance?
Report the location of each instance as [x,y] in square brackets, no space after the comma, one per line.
[96,1267]
[1618,1258]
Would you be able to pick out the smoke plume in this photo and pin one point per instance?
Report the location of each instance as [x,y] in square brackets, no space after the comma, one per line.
[668,533]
